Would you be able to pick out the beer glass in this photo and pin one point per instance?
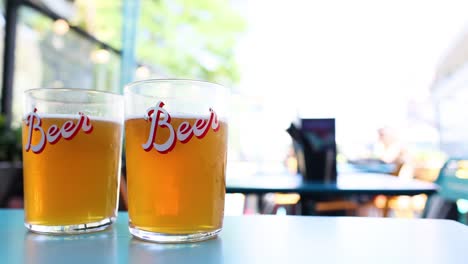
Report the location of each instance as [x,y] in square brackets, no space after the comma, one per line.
[72,142]
[176,140]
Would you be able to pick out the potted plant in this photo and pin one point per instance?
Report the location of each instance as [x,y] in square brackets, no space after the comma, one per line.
[11,169]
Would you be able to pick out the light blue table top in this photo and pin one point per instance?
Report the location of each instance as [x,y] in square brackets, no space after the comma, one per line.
[251,239]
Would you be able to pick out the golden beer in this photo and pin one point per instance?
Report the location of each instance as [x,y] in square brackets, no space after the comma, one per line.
[70,180]
[182,190]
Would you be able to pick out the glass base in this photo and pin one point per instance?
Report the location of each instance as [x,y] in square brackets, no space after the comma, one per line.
[71,229]
[172,238]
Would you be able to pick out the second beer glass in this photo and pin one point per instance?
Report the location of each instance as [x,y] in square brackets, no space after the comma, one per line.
[176,140]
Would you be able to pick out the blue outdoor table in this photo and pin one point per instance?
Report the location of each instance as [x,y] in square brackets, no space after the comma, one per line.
[250,239]
[347,184]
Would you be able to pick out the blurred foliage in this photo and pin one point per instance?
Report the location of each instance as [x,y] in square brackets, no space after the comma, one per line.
[35,20]
[10,142]
[183,38]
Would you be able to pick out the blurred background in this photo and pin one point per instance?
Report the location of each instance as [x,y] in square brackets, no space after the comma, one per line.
[393,74]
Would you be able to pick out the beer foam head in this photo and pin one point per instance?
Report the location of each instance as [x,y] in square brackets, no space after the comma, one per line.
[179,115]
[77,116]
[173,115]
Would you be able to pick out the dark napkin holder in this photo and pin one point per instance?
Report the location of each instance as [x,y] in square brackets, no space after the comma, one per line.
[315,147]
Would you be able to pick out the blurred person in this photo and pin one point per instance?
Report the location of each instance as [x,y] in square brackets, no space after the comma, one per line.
[388,155]
[389,148]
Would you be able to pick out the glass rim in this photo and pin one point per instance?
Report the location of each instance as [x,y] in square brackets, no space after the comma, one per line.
[30,91]
[128,86]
